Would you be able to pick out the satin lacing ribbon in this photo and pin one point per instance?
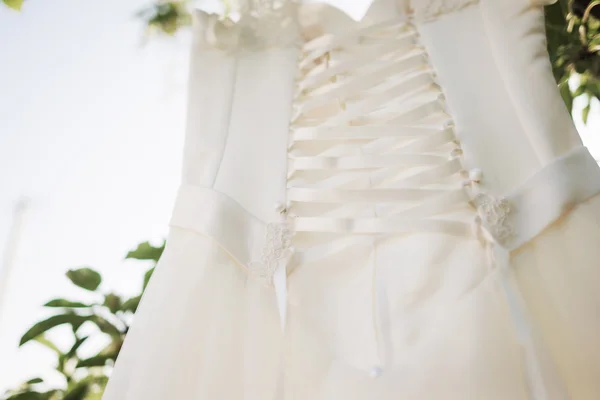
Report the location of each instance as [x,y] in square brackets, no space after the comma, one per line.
[362,119]
[388,132]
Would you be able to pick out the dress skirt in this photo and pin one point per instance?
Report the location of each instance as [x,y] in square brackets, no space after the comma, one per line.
[206,330]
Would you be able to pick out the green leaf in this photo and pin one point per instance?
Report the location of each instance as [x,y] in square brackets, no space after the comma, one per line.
[167,16]
[47,324]
[566,94]
[73,350]
[105,326]
[112,350]
[145,251]
[34,381]
[32,395]
[65,304]
[14,4]
[44,341]
[580,90]
[78,392]
[131,304]
[147,277]
[85,278]
[112,302]
[586,112]
[96,361]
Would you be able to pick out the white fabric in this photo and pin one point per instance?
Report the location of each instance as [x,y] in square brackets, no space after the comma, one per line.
[346,171]
[356,9]
[568,181]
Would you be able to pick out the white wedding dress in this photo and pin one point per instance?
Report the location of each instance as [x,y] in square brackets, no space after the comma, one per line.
[393,208]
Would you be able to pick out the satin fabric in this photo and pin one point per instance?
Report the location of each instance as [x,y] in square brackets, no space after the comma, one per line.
[212,333]
[420,314]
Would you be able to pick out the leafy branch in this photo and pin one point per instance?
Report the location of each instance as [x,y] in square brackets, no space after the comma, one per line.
[14,4]
[85,377]
[573,28]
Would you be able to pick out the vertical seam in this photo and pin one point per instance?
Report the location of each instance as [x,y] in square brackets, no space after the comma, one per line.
[227,126]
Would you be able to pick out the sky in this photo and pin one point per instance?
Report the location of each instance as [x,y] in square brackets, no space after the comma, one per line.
[91,132]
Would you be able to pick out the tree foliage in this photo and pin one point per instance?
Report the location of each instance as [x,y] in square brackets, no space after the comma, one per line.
[572,26]
[110,315]
[14,4]
[573,29]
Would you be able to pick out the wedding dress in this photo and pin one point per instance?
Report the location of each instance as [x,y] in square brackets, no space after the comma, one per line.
[395,206]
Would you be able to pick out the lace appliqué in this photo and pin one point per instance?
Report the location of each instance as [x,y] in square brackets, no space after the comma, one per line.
[253,25]
[494,213]
[278,240]
[424,10]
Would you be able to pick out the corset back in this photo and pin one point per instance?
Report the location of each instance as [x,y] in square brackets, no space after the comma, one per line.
[358,193]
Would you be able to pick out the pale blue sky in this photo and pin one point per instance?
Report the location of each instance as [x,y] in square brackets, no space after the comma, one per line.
[91,129]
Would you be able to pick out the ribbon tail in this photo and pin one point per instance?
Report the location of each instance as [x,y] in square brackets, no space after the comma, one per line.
[539,372]
[280,285]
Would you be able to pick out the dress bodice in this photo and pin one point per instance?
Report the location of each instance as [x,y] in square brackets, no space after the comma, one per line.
[492,62]
[489,56]
[377,174]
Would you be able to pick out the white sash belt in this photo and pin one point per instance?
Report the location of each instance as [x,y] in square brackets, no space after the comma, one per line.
[217,216]
[557,188]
